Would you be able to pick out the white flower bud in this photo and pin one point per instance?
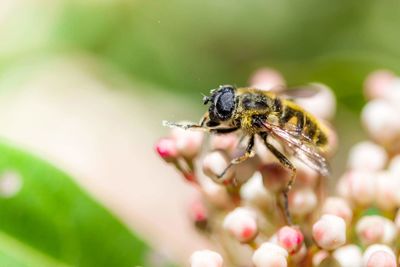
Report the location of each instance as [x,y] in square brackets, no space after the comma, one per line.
[339,207]
[378,83]
[214,165]
[206,258]
[361,186]
[269,254]
[381,121]
[216,193]
[367,156]
[329,232]
[322,104]
[319,257]
[384,256]
[267,79]
[302,201]
[387,190]
[242,224]
[254,193]
[348,256]
[375,229]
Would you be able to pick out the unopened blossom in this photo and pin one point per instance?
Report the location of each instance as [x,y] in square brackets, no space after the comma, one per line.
[242,224]
[216,194]
[387,190]
[214,164]
[385,258]
[361,186]
[254,193]
[378,83]
[321,104]
[376,229]
[166,148]
[206,258]
[319,257]
[188,143]
[270,254]
[339,207]
[302,201]
[290,238]
[367,156]
[226,142]
[348,256]
[198,213]
[267,79]
[381,121]
[329,232]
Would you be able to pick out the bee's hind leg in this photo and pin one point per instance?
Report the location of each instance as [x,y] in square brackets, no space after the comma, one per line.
[285,162]
[249,153]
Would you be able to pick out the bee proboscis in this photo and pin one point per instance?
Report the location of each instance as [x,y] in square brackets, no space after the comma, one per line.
[265,113]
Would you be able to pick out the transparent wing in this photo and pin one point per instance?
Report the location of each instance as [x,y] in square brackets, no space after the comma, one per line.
[306,91]
[301,147]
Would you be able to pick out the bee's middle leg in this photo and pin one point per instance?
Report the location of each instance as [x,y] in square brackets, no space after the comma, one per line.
[249,153]
[285,162]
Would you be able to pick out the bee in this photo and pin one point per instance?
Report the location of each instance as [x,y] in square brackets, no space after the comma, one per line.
[265,113]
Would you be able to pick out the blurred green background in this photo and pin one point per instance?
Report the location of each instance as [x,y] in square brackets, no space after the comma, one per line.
[165,51]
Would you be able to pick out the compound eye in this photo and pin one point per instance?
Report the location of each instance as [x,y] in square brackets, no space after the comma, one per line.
[225,104]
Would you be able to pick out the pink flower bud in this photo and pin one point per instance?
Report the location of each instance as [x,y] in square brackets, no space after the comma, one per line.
[384,258]
[302,201]
[242,224]
[378,83]
[290,239]
[166,148]
[367,156]
[254,193]
[329,232]
[361,186]
[198,213]
[269,254]
[188,142]
[339,207]
[267,79]
[387,190]
[275,176]
[214,165]
[226,142]
[375,229]
[322,104]
[206,258]
[348,256]
[378,115]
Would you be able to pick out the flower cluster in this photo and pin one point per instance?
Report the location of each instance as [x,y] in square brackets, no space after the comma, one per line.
[357,226]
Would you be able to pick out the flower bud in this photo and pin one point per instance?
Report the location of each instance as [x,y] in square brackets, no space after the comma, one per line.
[269,254]
[188,142]
[322,104]
[339,207]
[206,258]
[198,213]
[367,156]
[378,83]
[216,194]
[290,239]
[298,256]
[348,256]
[329,232]
[361,186]
[375,229]
[387,191]
[242,224]
[214,165]
[386,256]
[302,201]
[166,148]
[275,176]
[381,121]
[226,142]
[254,193]
[267,79]
[319,257]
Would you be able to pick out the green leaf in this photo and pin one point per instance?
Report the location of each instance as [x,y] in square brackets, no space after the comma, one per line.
[50,221]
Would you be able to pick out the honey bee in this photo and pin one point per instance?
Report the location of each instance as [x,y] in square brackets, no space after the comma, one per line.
[264,113]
